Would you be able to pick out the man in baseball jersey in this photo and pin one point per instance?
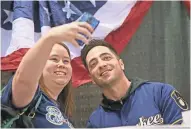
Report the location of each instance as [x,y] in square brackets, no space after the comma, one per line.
[128,102]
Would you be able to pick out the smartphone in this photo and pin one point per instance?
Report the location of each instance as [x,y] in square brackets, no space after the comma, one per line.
[87,17]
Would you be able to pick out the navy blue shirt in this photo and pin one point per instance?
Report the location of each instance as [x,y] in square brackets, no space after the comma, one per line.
[48,114]
[149,103]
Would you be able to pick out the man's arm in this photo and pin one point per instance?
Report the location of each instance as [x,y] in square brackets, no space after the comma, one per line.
[171,104]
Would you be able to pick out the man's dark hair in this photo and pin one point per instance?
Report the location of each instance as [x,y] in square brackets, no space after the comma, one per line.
[94,43]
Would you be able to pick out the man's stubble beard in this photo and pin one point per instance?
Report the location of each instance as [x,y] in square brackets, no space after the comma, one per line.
[110,83]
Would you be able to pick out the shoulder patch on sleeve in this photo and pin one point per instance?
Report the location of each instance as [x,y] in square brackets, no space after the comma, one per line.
[179,100]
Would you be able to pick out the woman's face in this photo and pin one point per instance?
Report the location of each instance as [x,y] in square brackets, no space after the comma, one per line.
[58,68]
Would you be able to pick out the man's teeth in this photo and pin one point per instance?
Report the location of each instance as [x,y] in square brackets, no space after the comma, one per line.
[104,72]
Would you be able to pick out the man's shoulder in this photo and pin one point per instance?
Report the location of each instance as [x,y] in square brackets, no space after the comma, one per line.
[139,83]
[153,87]
[157,85]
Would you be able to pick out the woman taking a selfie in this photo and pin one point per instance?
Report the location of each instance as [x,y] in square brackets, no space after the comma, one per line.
[45,72]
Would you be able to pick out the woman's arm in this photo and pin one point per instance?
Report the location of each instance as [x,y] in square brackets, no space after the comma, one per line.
[25,81]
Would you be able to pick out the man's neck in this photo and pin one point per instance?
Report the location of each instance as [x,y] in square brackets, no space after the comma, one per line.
[117,91]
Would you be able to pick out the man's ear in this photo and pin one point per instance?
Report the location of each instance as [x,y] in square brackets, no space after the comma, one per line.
[93,82]
[92,79]
[121,64]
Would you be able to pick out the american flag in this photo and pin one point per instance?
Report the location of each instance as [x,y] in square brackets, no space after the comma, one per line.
[24,22]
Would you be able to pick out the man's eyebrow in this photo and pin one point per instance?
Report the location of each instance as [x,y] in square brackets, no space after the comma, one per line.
[103,54]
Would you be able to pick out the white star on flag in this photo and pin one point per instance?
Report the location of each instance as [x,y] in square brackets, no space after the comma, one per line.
[67,9]
[10,16]
[93,2]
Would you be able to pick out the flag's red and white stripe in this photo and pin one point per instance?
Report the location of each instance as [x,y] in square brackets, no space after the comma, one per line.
[119,20]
